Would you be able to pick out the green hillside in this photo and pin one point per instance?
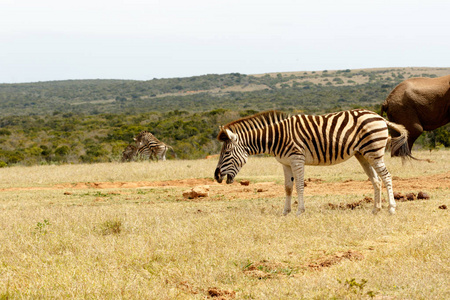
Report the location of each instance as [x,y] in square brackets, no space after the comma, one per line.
[93,120]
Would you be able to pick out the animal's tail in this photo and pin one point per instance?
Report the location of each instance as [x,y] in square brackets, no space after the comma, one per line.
[384,108]
[399,144]
[173,151]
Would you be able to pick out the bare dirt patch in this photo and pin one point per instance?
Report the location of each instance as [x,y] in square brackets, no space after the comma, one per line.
[266,269]
[219,294]
[351,205]
[187,287]
[330,260]
[261,189]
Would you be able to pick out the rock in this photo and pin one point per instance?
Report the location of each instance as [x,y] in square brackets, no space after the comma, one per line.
[423,195]
[443,206]
[398,196]
[245,182]
[196,192]
[411,196]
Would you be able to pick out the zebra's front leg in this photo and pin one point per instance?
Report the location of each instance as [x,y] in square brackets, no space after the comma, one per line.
[298,169]
[288,186]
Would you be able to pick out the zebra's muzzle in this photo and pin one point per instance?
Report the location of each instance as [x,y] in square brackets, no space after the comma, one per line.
[218,176]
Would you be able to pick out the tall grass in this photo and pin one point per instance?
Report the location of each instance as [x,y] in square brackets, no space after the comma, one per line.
[153,244]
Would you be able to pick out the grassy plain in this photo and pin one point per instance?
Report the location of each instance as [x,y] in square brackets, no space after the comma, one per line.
[60,239]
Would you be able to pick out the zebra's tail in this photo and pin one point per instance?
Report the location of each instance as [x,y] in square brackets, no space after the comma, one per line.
[173,151]
[399,144]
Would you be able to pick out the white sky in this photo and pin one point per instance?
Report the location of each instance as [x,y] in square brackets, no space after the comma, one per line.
[43,40]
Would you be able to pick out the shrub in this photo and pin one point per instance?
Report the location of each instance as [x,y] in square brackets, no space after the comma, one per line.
[111,227]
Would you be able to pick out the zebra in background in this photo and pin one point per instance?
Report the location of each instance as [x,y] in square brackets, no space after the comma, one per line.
[129,153]
[301,140]
[148,145]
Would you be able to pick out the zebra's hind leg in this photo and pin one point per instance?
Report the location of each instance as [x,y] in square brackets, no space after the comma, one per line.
[298,169]
[374,179]
[288,186]
[164,153]
[382,172]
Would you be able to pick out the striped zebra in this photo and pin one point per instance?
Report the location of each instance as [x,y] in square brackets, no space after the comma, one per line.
[301,140]
[148,145]
[129,153]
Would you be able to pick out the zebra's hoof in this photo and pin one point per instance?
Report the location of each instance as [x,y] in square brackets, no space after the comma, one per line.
[300,211]
[286,212]
[392,210]
[376,210]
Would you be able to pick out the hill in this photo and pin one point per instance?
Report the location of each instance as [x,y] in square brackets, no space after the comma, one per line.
[93,120]
[312,92]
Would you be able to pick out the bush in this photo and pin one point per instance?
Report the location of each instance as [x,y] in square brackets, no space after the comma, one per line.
[111,227]
[62,150]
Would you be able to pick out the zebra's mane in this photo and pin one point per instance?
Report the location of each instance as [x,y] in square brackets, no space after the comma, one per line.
[145,134]
[249,123]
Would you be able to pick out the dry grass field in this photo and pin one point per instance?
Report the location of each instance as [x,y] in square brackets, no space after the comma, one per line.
[112,231]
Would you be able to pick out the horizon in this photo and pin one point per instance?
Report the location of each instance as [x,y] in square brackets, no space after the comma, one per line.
[259,74]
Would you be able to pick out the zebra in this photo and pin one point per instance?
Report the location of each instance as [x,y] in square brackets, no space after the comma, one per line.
[301,140]
[148,145]
[129,153]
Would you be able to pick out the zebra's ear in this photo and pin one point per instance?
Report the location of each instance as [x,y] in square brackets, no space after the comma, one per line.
[232,136]
[222,135]
[226,135]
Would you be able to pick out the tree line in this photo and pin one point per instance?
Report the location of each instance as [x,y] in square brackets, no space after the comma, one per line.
[85,121]
[72,138]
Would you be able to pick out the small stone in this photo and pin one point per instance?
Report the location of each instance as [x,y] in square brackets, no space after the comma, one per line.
[398,196]
[423,195]
[196,192]
[411,196]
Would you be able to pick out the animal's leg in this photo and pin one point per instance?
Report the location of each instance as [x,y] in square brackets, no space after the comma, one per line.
[288,185]
[155,154]
[382,172]
[409,119]
[164,153]
[373,177]
[414,132]
[298,169]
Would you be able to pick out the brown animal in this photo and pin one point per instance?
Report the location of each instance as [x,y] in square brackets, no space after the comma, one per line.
[419,104]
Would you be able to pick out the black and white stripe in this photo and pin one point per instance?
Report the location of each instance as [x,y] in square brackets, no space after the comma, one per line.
[149,146]
[301,140]
[129,153]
